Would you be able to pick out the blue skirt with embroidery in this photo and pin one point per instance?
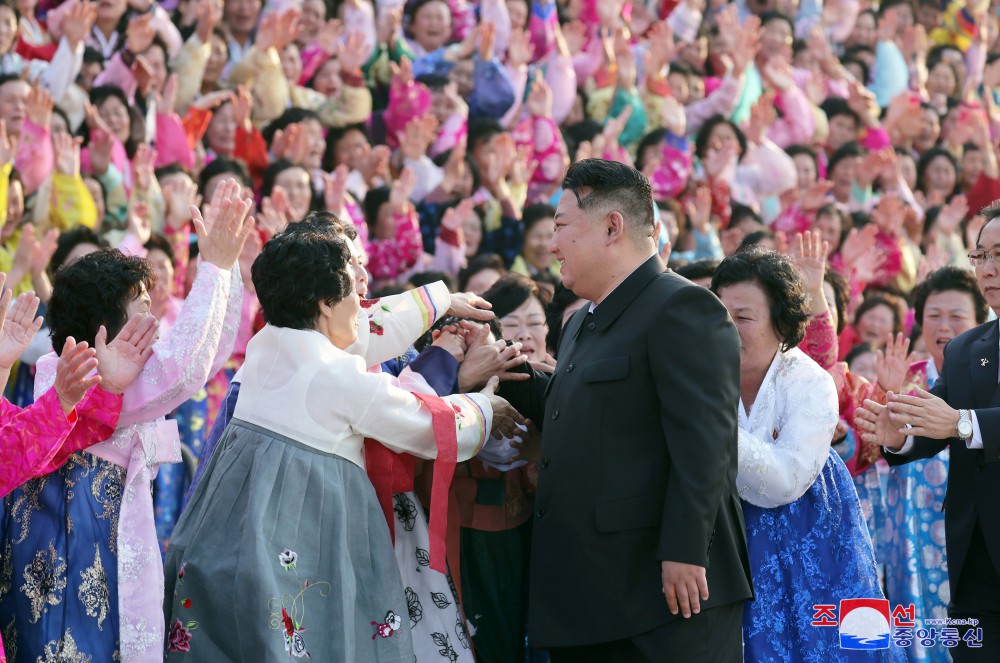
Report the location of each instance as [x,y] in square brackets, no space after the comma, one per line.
[59,564]
[813,551]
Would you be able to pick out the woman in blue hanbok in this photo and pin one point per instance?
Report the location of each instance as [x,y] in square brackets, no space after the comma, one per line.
[806,536]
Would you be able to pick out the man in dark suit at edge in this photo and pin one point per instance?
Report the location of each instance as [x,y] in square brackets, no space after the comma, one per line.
[962,411]
[638,545]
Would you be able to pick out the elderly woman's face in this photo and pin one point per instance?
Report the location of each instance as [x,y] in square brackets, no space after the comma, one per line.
[163,268]
[526,325]
[748,306]
[875,325]
[339,323]
[359,262]
[141,305]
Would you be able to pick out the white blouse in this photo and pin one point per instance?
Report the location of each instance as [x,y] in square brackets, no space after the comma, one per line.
[297,383]
[785,440]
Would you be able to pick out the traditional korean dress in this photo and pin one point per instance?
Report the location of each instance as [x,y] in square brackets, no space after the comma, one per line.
[806,537]
[283,550]
[37,439]
[81,541]
[916,563]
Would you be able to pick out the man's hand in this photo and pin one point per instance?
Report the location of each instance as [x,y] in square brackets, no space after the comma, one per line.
[73,379]
[873,423]
[484,360]
[121,361]
[928,415]
[469,305]
[505,417]
[685,586]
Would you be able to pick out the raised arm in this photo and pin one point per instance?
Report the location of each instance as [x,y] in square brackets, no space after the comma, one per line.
[183,361]
[777,470]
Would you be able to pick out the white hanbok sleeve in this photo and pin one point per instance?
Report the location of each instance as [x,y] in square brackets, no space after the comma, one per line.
[779,462]
[377,408]
[390,325]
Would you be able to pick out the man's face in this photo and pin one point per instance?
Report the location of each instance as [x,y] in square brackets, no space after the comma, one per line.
[577,244]
[988,274]
[13,101]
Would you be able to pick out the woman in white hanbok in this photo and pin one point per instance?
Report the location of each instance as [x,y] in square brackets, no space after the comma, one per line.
[806,536]
[283,550]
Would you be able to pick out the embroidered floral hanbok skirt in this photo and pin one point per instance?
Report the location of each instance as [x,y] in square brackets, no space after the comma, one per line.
[283,553]
[59,564]
[813,551]
[916,561]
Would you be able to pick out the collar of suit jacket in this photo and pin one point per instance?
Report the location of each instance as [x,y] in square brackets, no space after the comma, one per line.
[618,299]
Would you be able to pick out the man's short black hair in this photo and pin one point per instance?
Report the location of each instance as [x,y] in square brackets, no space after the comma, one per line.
[775,274]
[298,270]
[613,185]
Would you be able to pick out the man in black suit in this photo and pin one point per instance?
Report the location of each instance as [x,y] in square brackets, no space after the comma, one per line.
[962,411]
[638,545]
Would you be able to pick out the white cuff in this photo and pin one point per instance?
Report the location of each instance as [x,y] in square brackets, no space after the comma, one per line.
[976,441]
[903,450]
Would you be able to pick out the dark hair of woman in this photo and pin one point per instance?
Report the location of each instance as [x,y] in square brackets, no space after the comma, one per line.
[561,300]
[857,351]
[69,240]
[925,161]
[93,291]
[289,117]
[943,280]
[479,264]
[775,274]
[876,300]
[222,166]
[158,242]
[137,125]
[841,297]
[755,238]
[704,133]
[323,219]
[274,169]
[421,279]
[510,292]
[373,202]
[698,269]
[536,212]
[333,137]
[298,270]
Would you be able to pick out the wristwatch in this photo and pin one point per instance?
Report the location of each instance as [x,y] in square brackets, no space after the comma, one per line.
[964,425]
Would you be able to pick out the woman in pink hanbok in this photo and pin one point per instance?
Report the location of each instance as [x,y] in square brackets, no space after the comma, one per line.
[79,545]
[37,439]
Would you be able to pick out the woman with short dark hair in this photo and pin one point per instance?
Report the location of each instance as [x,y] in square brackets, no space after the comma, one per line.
[799,502]
[315,575]
[87,527]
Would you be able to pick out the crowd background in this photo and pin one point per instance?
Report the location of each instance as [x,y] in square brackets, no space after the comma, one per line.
[442,128]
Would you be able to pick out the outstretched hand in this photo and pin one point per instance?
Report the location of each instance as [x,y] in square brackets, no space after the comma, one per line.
[73,374]
[121,361]
[18,325]
[221,239]
[505,417]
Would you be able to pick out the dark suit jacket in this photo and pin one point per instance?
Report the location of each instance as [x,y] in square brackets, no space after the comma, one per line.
[968,382]
[638,461]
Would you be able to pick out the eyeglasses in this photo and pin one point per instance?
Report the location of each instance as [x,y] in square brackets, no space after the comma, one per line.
[978,258]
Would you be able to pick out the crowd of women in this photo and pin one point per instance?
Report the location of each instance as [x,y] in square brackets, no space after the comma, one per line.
[244,228]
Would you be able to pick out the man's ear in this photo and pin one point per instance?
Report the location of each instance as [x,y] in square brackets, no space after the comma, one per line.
[614,227]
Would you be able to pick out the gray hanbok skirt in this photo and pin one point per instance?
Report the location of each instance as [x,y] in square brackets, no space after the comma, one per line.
[283,553]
